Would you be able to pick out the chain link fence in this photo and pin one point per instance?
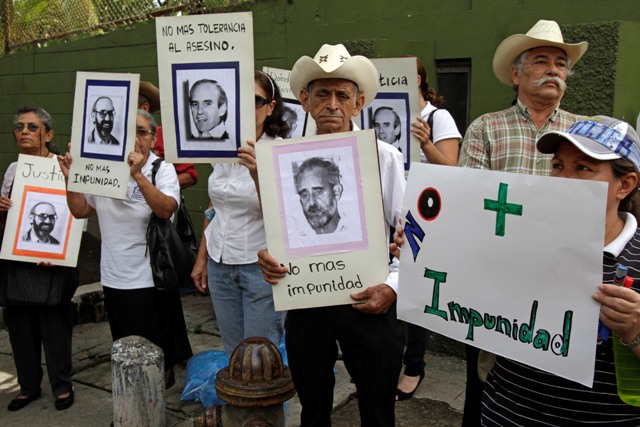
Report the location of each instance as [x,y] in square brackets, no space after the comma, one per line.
[28,23]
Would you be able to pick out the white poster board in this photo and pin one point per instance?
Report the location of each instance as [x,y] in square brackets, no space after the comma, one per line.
[103,133]
[325,266]
[300,122]
[205,70]
[395,107]
[505,262]
[39,225]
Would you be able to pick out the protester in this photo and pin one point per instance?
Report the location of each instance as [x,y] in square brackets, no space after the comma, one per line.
[597,149]
[227,259]
[334,87]
[134,305]
[149,100]
[440,146]
[44,324]
[536,64]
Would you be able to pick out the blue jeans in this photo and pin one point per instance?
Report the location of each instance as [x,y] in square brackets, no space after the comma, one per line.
[243,303]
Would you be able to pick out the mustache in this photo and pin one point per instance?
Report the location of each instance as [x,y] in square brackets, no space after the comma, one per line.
[557,80]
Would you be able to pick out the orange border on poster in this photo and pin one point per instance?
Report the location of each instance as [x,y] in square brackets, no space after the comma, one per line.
[40,254]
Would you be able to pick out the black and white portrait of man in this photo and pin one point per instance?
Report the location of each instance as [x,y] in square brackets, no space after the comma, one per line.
[317,183]
[208,106]
[105,120]
[321,196]
[206,109]
[42,217]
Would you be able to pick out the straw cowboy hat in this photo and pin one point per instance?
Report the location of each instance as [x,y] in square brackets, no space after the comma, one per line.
[335,62]
[544,33]
[152,93]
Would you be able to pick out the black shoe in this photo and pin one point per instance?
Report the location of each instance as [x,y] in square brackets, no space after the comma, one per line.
[63,403]
[21,401]
[169,378]
[403,395]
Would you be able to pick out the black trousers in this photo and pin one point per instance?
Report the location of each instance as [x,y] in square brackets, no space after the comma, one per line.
[372,350]
[31,329]
[473,390]
[417,342]
[151,314]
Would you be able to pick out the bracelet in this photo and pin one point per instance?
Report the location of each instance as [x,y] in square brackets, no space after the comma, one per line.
[632,344]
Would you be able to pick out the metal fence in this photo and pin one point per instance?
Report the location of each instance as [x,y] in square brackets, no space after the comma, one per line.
[27,23]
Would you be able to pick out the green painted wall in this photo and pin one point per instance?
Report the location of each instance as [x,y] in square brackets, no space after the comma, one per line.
[605,80]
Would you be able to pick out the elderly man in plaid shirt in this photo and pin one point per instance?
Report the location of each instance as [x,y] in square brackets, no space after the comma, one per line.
[536,65]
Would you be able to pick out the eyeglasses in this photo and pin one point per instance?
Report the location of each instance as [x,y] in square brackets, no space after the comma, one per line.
[50,217]
[105,113]
[32,127]
[261,102]
[143,133]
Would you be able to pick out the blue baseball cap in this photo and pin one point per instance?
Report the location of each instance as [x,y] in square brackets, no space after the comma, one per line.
[599,137]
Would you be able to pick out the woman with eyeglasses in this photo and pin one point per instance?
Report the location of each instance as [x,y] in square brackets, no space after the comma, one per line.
[37,321]
[233,234]
[134,305]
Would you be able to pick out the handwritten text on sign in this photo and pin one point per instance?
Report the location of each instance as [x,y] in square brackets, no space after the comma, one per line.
[506,262]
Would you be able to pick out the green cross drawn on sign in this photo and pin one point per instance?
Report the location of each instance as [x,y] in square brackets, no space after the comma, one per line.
[502,208]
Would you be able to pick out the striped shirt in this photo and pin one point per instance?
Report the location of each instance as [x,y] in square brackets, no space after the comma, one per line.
[519,395]
[505,141]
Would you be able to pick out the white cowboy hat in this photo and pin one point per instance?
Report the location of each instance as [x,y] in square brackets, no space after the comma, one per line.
[544,33]
[335,62]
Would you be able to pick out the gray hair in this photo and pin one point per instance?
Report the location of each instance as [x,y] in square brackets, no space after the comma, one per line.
[522,59]
[332,169]
[150,119]
[38,111]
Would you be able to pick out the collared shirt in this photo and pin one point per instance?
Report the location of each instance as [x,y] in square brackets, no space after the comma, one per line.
[236,233]
[393,184]
[505,140]
[218,132]
[108,140]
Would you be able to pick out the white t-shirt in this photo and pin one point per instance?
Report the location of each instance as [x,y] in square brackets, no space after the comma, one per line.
[444,127]
[393,184]
[236,233]
[7,182]
[124,261]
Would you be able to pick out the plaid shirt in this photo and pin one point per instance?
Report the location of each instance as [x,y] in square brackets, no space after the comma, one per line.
[505,141]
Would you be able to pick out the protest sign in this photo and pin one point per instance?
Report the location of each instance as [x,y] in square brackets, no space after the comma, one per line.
[505,262]
[324,218]
[300,122]
[396,105]
[205,70]
[103,133]
[39,225]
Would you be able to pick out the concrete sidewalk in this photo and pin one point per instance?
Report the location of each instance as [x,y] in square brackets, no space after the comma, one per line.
[438,401]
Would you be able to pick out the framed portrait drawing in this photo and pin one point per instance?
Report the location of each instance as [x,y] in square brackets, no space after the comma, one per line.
[389,116]
[105,120]
[207,91]
[396,106]
[39,225]
[103,132]
[326,221]
[206,109]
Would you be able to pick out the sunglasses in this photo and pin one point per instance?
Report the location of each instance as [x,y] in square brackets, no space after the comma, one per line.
[32,127]
[105,113]
[261,102]
[43,217]
[143,133]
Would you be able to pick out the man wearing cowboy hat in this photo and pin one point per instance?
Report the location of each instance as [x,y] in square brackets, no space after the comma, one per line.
[334,87]
[536,65]
[149,100]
